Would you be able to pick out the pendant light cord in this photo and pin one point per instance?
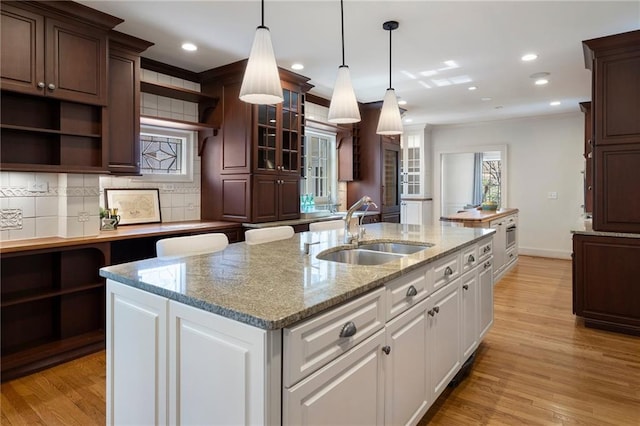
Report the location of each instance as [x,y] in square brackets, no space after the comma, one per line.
[390,31]
[262,24]
[342,24]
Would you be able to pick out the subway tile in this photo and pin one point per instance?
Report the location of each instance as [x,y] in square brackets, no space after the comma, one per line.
[177,82]
[192,214]
[26,204]
[164,79]
[150,76]
[46,226]
[28,230]
[4,235]
[91,204]
[91,181]
[4,179]
[73,227]
[193,199]
[165,213]
[21,179]
[150,112]
[177,116]
[46,206]
[177,214]
[149,100]
[164,114]
[92,227]
[164,103]
[177,200]
[165,199]
[190,108]
[177,106]
[190,117]
[5,203]
[75,181]
[75,205]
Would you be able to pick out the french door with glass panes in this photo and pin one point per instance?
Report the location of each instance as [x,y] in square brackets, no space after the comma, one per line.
[319,161]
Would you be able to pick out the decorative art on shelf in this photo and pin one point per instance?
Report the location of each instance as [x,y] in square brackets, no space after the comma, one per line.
[134,205]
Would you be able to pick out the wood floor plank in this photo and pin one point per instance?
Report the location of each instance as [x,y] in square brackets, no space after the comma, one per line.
[537,366]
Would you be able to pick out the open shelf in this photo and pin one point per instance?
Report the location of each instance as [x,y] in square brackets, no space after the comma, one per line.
[49,131]
[175,92]
[33,295]
[175,124]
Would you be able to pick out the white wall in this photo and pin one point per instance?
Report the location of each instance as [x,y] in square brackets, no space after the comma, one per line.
[458,191]
[544,155]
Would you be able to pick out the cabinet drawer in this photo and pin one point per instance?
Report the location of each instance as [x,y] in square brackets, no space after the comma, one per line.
[469,258]
[406,291]
[313,343]
[485,248]
[446,270]
[511,255]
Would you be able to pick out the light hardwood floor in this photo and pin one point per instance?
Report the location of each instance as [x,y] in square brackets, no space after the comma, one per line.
[537,366]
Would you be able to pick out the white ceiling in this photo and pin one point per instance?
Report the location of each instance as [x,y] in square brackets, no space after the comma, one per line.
[485,39]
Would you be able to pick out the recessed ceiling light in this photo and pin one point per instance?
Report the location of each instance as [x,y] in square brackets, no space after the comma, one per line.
[541,81]
[297,67]
[485,99]
[190,47]
[554,103]
[529,57]
[408,120]
[402,102]
[471,88]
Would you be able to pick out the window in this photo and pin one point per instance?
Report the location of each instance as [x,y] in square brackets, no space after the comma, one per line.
[319,159]
[166,155]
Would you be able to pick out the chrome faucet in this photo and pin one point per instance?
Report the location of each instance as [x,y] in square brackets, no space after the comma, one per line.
[366,200]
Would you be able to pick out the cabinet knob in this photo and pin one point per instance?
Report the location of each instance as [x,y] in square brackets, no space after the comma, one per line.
[448,271]
[51,86]
[386,349]
[487,264]
[348,330]
[466,287]
[436,309]
[471,259]
[431,312]
[41,84]
[411,291]
[590,187]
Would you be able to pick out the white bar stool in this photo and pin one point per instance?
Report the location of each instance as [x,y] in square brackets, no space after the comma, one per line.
[266,235]
[191,245]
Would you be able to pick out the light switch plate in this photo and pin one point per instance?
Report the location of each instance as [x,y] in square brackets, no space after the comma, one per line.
[553,196]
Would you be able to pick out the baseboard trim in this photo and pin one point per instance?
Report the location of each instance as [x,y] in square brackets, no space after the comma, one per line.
[554,254]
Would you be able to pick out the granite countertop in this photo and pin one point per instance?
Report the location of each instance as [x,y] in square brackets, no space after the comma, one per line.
[275,285]
[476,215]
[586,229]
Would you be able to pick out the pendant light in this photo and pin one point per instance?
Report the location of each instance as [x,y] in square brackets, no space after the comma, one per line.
[261,82]
[343,108]
[390,122]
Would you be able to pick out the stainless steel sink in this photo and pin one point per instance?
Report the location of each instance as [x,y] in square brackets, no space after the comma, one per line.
[398,248]
[360,256]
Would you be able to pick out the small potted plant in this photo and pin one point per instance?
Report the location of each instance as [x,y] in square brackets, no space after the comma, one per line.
[489,201]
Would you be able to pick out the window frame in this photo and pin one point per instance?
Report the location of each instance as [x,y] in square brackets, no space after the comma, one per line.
[190,138]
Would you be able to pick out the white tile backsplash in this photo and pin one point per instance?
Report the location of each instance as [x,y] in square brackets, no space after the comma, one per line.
[46,206]
[26,204]
[163,104]
[28,230]
[46,226]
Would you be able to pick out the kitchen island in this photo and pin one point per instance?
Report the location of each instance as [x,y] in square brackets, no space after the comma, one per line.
[267,334]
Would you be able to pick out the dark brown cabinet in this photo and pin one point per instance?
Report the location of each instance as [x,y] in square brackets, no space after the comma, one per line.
[54,87]
[124,103]
[251,169]
[588,157]
[607,282]
[44,53]
[615,108]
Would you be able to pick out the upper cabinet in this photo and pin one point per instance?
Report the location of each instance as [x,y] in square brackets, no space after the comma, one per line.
[251,168]
[54,87]
[124,102]
[414,168]
[615,108]
[44,52]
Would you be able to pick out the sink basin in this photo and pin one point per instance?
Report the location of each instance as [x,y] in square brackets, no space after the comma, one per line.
[360,256]
[398,248]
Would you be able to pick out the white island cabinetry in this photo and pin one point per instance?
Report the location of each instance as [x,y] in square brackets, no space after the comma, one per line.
[381,358]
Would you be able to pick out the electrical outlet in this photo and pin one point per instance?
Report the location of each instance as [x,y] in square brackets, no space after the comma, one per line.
[38,186]
[553,196]
[83,216]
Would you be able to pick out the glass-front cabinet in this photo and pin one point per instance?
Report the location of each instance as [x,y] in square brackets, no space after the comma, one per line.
[279,134]
[415,176]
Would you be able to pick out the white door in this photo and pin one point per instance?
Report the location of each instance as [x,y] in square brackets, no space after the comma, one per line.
[217,369]
[136,356]
[469,320]
[444,336]
[406,367]
[485,298]
[348,391]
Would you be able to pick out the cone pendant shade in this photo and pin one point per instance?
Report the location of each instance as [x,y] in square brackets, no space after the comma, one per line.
[261,82]
[343,108]
[390,122]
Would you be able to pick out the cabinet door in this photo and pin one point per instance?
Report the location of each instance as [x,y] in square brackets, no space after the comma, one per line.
[290,133]
[136,356]
[390,180]
[485,298]
[22,39]
[406,367]
[617,188]
[265,139]
[444,337]
[76,63]
[218,369]
[265,198]
[499,246]
[617,97]
[288,198]
[469,319]
[348,391]
[124,115]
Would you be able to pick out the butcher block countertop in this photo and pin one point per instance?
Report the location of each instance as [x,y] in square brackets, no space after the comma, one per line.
[123,232]
[478,216]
